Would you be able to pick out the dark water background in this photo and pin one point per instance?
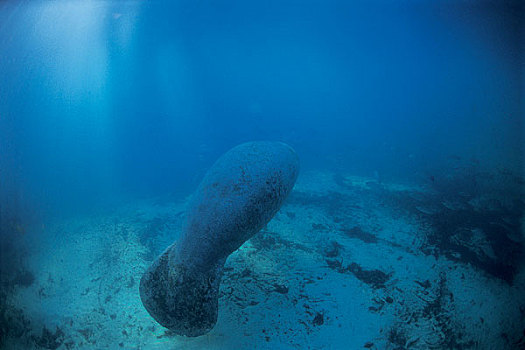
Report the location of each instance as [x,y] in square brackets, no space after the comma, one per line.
[102,101]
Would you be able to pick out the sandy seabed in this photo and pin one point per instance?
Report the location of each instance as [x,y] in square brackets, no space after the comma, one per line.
[347,263]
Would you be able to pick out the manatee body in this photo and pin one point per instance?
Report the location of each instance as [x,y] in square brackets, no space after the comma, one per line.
[238,196]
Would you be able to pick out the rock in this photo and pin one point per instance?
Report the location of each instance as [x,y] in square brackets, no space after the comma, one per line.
[49,340]
[318,319]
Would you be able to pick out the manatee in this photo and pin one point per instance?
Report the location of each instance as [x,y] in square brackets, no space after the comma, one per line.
[238,196]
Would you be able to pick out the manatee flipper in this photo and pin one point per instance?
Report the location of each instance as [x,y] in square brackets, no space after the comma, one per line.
[168,292]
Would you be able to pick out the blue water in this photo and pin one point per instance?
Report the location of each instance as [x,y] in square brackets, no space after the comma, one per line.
[106,103]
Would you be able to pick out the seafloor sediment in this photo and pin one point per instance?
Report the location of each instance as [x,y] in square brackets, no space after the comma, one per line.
[347,263]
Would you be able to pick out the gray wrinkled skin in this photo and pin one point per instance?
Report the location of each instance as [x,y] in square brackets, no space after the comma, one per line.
[238,196]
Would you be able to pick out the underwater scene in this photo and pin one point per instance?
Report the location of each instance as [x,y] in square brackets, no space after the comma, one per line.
[289,174]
